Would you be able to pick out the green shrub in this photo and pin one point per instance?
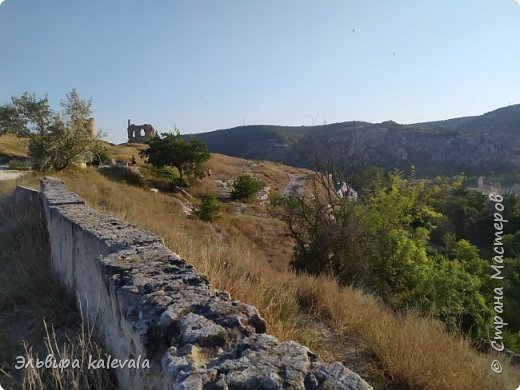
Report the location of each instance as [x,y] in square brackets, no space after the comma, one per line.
[16,164]
[165,173]
[99,154]
[210,207]
[245,187]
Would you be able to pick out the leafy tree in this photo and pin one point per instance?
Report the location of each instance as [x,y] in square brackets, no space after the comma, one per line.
[466,211]
[512,244]
[371,179]
[446,291]
[57,140]
[99,153]
[381,243]
[511,211]
[210,208]
[396,219]
[245,187]
[468,256]
[173,150]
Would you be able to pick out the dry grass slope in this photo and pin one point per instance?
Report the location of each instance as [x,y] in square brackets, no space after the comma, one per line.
[11,145]
[411,352]
[124,152]
[246,255]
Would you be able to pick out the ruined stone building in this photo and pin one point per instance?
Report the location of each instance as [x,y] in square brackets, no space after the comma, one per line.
[486,189]
[140,133]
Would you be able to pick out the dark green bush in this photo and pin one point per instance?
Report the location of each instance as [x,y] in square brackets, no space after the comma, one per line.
[99,154]
[165,173]
[245,187]
[210,207]
[16,164]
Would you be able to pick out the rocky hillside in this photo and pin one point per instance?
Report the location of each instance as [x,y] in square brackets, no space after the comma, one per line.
[475,145]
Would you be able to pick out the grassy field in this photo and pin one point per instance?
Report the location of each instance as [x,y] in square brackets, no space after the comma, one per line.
[246,254]
[125,152]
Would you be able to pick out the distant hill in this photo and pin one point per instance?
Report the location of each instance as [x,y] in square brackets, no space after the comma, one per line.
[476,145]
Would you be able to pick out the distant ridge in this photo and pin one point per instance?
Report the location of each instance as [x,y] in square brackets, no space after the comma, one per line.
[475,144]
[448,123]
[505,119]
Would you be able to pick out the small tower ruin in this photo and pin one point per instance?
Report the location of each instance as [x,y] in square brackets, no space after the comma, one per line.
[92,127]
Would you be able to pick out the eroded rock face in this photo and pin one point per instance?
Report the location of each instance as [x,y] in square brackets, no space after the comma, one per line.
[149,302]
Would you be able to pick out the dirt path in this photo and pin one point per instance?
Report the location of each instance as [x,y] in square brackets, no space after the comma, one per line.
[6,174]
[351,352]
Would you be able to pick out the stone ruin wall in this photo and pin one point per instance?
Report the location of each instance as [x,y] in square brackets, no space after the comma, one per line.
[148,302]
[140,133]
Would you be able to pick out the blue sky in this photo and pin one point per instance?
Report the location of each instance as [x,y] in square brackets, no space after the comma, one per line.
[205,65]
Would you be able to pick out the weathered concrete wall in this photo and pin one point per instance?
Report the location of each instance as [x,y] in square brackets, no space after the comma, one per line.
[149,303]
[27,196]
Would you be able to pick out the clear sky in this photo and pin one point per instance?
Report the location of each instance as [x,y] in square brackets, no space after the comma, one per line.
[205,65]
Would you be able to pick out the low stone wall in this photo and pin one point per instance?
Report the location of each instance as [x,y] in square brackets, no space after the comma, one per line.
[148,303]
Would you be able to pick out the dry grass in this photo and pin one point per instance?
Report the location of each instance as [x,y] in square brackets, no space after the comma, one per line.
[29,299]
[411,352]
[70,376]
[11,145]
[124,152]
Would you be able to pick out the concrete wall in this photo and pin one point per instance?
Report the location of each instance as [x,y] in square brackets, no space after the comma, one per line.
[27,196]
[148,303]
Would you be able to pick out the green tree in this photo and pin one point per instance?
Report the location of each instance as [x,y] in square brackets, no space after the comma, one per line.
[468,256]
[57,140]
[245,187]
[396,221]
[381,243]
[445,290]
[173,150]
